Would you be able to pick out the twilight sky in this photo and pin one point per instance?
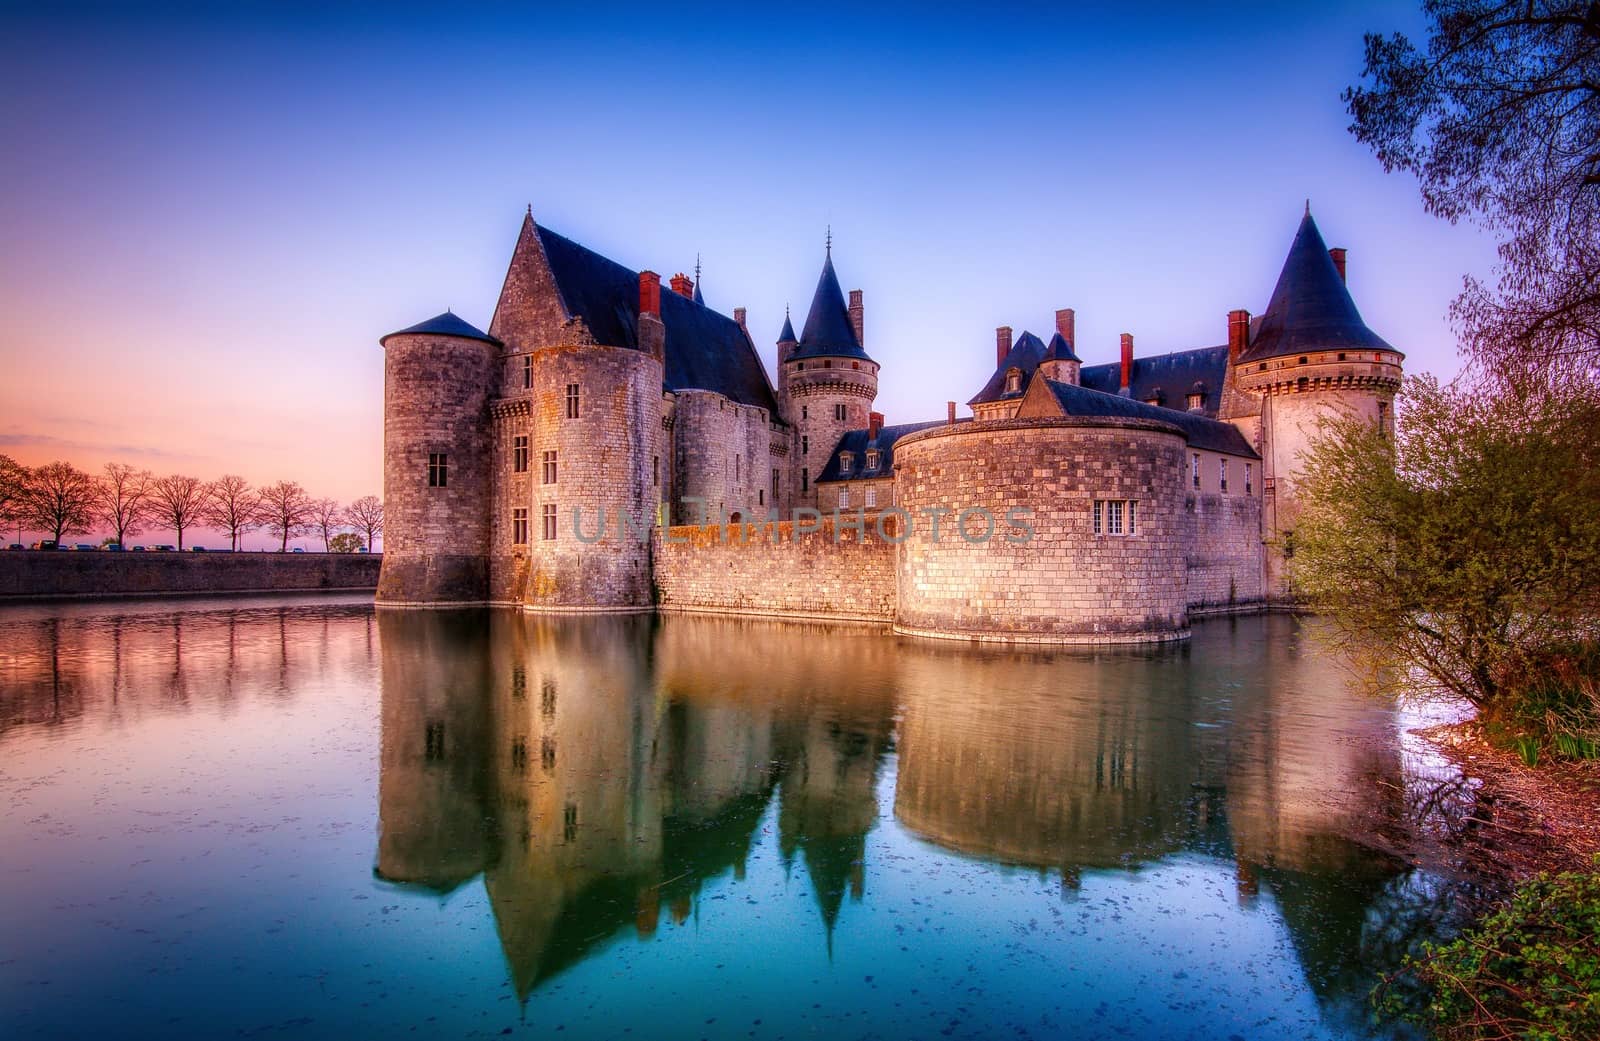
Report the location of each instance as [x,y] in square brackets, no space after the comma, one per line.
[209,217]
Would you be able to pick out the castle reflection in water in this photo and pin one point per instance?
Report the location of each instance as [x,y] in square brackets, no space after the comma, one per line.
[598,773]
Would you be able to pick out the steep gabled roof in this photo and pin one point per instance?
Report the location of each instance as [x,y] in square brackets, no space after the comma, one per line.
[1025,354]
[446,324]
[787,334]
[1202,431]
[828,330]
[1172,374]
[1059,349]
[857,442]
[1310,308]
[704,350]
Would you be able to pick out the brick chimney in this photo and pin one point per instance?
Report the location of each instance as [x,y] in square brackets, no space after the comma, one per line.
[1067,325]
[950,412]
[1337,253]
[858,317]
[1238,333]
[652,334]
[738,316]
[1127,364]
[682,284]
[1002,344]
[874,425]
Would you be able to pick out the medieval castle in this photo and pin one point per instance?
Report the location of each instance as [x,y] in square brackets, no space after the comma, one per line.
[1149,490]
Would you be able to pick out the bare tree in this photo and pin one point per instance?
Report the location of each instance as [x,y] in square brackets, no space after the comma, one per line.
[287,512]
[234,507]
[13,494]
[366,516]
[59,498]
[122,499]
[326,517]
[178,502]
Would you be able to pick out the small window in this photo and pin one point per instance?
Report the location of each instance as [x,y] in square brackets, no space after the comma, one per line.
[1302,360]
[549,467]
[1099,519]
[1341,356]
[1013,381]
[572,401]
[1115,516]
[874,457]
[805,480]
[761,496]
[519,454]
[845,460]
[736,476]
[1197,401]
[827,365]
[805,445]
[1383,419]
[438,470]
[519,527]
[844,498]
[527,371]
[871,496]
[839,413]
[549,516]
[800,367]
[855,365]
[655,470]
[1222,475]
[1194,467]
[774,485]
[1247,471]
[805,411]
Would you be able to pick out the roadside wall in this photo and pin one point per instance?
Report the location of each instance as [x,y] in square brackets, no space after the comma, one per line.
[805,576]
[36,574]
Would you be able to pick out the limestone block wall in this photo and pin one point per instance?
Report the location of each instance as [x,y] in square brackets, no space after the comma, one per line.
[816,388]
[510,419]
[1065,584]
[830,573]
[603,460]
[880,488]
[722,454]
[436,539]
[28,574]
[1226,555]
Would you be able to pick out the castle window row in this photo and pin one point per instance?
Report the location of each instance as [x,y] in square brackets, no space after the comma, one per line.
[527,371]
[548,466]
[548,515]
[438,470]
[572,401]
[519,453]
[1116,516]
[519,527]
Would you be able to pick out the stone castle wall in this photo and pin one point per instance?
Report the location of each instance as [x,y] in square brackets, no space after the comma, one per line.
[31,575]
[1225,558]
[436,539]
[815,387]
[830,573]
[722,455]
[1065,584]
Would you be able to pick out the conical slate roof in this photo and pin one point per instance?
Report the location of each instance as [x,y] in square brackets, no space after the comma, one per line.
[446,324]
[787,336]
[697,297]
[1310,309]
[1060,350]
[828,332]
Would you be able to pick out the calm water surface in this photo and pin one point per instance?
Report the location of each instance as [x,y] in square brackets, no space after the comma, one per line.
[307,819]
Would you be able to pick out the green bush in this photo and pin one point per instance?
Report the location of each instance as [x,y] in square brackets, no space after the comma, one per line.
[1528,970]
[1553,704]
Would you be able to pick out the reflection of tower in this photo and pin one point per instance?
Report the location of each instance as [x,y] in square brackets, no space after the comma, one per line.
[433,779]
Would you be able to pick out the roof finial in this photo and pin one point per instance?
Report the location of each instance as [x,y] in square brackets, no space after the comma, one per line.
[830,240]
[697,269]
[530,209]
[1308,206]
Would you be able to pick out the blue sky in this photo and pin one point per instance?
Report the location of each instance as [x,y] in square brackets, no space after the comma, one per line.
[211,214]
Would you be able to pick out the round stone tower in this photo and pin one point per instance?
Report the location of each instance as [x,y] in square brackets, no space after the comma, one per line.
[827,381]
[1309,356]
[437,480]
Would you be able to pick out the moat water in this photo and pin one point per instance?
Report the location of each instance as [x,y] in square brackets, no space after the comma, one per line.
[304,818]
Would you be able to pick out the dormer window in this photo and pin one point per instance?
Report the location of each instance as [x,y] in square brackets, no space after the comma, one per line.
[1196,401]
[845,459]
[873,456]
[1013,380]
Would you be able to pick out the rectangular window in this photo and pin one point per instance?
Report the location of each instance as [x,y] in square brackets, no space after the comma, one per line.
[1247,468]
[519,454]
[805,480]
[873,459]
[839,413]
[438,470]
[805,411]
[774,486]
[1133,505]
[527,371]
[1099,510]
[1222,475]
[549,465]
[844,498]
[1195,467]
[761,496]
[1116,516]
[655,470]
[805,445]
[871,497]
[572,401]
[1383,419]
[1114,510]
[736,468]
[845,459]
[519,527]
[549,515]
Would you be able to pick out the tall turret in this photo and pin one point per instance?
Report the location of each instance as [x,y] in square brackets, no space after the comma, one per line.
[1309,355]
[826,379]
[437,379]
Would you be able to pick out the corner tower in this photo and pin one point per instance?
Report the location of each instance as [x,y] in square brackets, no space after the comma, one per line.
[1308,356]
[826,379]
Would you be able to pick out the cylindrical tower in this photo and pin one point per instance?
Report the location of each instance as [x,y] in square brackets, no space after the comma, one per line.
[437,478]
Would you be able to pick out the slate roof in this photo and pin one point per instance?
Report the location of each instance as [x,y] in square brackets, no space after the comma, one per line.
[704,351]
[856,442]
[1202,431]
[1060,350]
[828,332]
[1310,307]
[446,324]
[1172,374]
[787,335]
[1025,354]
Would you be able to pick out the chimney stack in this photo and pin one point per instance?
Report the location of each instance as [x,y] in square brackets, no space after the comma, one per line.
[1337,253]
[874,425]
[682,284]
[1002,344]
[652,334]
[738,316]
[1067,325]
[1238,333]
[1127,364]
[950,412]
[649,292]
[858,317]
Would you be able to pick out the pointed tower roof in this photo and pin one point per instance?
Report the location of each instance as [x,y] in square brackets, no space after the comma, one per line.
[446,324]
[697,297]
[1026,354]
[1060,350]
[828,331]
[787,335]
[1310,309]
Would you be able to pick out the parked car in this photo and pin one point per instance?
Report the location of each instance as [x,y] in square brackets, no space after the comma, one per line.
[44,544]
[85,547]
[112,547]
[197,549]
[164,548]
[16,545]
[137,549]
[297,549]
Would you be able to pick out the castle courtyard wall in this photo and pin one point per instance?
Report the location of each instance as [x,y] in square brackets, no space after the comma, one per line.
[1225,560]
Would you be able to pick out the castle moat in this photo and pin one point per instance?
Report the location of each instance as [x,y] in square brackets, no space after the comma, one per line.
[304,818]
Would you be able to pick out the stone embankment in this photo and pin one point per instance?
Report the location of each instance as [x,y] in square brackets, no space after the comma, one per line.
[40,575]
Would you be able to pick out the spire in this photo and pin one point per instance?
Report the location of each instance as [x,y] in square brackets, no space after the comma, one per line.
[697,297]
[787,336]
[1311,308]
[828,330]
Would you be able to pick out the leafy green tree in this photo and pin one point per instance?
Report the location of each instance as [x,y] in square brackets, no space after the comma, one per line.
[1464,551]
[1497,114]
[345,542]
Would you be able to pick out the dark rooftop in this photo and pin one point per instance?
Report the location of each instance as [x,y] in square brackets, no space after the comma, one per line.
[1310,307]
[1025,354]
[446,324]
[1202,431]
[828,331]
[1060,350]
[787,335]
[1172,375]
[856,442]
